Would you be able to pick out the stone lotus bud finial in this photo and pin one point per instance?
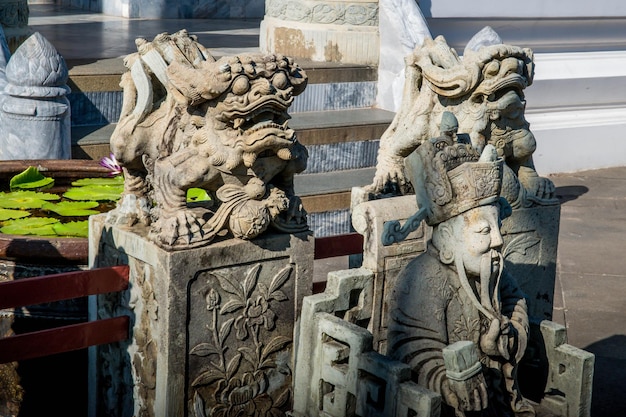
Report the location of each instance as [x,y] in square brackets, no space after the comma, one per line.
[37,70]
[34,109]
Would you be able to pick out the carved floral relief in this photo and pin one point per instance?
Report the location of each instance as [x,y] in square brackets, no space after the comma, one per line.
[240,356]
[337,13]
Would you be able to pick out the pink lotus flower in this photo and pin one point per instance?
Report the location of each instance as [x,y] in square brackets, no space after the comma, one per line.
[110,163]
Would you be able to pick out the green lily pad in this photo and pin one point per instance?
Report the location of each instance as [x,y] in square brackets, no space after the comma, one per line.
[9,214]
[197,194]
[72,229]
[95,193]
[38,226]
[25,199]
[119,180]
[72,208]
[30,179]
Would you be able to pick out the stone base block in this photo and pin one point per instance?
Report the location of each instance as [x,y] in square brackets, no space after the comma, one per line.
[212,327]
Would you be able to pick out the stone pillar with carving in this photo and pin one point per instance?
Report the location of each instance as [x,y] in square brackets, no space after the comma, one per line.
[212,328]
[322,30]
[34,109]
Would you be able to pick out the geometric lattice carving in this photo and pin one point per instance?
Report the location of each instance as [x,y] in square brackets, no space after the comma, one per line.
[338,374]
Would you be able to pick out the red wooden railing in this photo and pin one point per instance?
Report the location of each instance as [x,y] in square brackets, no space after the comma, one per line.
[340,245]
[46,289]
[50,288]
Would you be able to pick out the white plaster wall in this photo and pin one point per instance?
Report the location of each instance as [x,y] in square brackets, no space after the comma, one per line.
[116,7]
[577,111]
[580,140]
[522,9]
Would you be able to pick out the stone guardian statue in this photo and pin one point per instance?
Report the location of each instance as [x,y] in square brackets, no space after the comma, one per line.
[458,291]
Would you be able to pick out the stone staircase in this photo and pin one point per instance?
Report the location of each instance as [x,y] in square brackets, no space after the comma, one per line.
[334,119]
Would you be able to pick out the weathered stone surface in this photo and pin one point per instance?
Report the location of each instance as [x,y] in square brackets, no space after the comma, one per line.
[337,372]
[210,326]
[560,375]
[458,291]
[34,109]
[530,252]
[189,121]
[385,261]
[319,30]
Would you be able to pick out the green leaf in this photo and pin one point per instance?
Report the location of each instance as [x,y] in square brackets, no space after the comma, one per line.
[25,199]
[30,179]
[72,208]
[95,193]
[197,194]
[119,180]
[8,214]
[39,226]
[72,229]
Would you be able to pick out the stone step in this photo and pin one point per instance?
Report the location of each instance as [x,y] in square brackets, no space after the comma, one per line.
[104,74]
[96,97]
[315,129]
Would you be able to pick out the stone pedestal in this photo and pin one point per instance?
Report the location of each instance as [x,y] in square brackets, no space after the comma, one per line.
[212,327]
[320,30]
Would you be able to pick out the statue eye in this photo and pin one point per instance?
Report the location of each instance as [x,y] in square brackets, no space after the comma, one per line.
[280,81]
[485,230]
[241,85]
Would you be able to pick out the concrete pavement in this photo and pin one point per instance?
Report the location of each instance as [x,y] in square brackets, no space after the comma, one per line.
[590,296]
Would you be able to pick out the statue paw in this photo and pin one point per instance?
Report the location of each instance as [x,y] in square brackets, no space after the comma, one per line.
[390,177]
[293,218]
[130,210]
[181,230]
[540,188]
[388,182]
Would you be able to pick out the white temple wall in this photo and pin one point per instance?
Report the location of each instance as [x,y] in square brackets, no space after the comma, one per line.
[522,9]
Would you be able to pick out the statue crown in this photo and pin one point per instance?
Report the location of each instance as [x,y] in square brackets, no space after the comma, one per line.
[454,179]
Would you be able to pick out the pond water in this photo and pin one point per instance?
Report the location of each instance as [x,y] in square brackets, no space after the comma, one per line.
[60,211]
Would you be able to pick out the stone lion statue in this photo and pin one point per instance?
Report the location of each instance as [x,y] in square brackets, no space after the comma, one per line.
[190,121]
[485,91]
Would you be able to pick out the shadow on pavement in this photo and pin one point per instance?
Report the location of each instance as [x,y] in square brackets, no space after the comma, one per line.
[609,376]
[570,192]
